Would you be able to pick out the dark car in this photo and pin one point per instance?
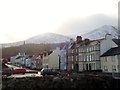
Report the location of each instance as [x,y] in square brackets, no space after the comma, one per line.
[49,72]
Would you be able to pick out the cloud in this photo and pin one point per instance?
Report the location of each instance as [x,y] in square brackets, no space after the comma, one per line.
[83,25]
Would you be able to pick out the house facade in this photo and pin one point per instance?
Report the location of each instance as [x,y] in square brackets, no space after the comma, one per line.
[19,60]
[71,56]
[89,55]
[110,62]
[84,55]
[110,55]
[36,62]
[52,60]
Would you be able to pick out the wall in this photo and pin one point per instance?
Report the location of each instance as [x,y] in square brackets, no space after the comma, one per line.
[109,62]
[53,61]
[107,44]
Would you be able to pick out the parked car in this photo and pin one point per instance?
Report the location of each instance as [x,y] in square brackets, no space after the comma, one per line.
[7,71]
[19,71]
[46,71]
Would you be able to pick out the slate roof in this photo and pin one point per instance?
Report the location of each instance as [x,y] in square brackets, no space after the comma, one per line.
[117,41]
[112,52]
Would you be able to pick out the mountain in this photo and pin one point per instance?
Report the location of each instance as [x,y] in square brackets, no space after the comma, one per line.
[57,38]
[48,38]
[101,32]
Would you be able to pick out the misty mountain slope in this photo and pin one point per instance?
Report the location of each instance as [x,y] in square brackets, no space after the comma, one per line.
[48,38]
[101,32]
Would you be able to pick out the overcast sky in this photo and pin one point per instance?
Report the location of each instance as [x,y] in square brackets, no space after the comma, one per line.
[22,19]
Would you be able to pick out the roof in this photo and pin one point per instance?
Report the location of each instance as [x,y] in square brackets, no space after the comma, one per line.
[72,45]
[117,41]
[18,57]
[112,52]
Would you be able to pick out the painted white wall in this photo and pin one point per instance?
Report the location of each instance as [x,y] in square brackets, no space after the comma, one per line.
[53,61]
[107,44]
[107,61]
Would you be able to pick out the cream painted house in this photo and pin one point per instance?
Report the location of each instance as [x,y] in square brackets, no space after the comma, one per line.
[110,55]
[110,61]
[52,60]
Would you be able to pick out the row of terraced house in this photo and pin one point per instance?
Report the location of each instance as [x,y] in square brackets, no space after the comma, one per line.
[46,59]
[79,55]
[85,55]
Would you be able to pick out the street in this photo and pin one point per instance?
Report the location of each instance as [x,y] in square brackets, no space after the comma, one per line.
[25,75]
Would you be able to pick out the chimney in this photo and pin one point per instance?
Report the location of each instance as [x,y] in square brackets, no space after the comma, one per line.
[108,37]
[71,41]
[86,41]
[78,39]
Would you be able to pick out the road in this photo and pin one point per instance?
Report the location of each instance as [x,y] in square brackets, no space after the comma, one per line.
[25,75]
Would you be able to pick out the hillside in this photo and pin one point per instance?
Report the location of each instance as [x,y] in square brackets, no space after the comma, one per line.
[48,38]
[101,32]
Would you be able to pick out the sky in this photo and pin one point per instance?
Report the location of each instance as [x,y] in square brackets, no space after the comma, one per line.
[22,19]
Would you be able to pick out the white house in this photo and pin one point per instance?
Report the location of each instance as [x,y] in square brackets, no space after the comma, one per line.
[19,59]
[52,60]
[110,54]
[107,44]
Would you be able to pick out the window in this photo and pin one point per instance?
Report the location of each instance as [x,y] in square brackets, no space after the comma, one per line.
[72,58]
[90,57]
[90,49]
[105,68]
[105,59]
[87,49]
[84,57]
[113,58]
[76,58]
[113,68]
[93,56]
[87,57]
[72,66]
[80,56]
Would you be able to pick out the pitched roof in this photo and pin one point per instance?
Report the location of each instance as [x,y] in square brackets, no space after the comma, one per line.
[72,46]
[117,41]
[112,52]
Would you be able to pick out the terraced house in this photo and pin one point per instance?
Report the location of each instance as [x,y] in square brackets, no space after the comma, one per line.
[71,55]
[110,55]
[84,55]
[89,55]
